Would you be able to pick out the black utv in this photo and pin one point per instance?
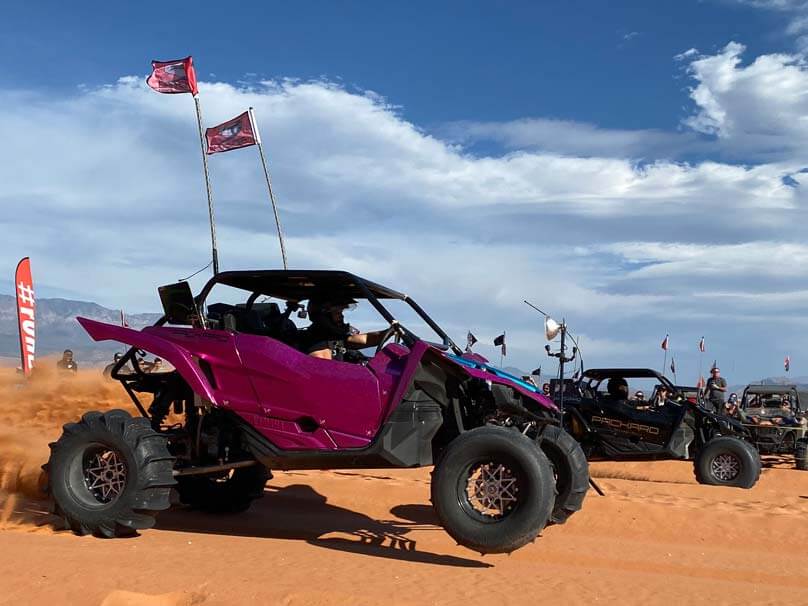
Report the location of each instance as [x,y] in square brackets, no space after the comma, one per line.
[777,418]
[638,414]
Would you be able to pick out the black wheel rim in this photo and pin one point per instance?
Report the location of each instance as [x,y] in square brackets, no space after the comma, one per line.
[490,490]
[99,475]
[725,467]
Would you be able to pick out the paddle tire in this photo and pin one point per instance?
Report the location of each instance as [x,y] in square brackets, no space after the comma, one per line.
[801,454]
[232,493]
[493,490]
[109,474]
[570,469]
[727,461]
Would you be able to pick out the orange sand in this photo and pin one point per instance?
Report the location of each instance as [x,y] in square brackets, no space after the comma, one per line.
[369,537]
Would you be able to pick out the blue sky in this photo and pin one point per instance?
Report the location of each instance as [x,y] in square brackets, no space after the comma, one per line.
[634,166]
[441,62]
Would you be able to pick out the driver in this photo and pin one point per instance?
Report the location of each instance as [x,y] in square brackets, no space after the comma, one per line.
[617,388]
[329,336]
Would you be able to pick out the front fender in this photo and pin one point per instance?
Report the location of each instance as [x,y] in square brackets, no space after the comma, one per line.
[175,355]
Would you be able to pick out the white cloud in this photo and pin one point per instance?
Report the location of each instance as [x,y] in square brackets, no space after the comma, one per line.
[761,107]
[104,191]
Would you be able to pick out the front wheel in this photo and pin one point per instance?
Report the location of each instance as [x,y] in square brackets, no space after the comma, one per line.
[727,461]
[109,474]
[493,490]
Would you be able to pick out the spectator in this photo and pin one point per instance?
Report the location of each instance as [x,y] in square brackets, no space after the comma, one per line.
[660,398]
[156,365]
[715,390]
[107,372]
[731,409]
[639,401]
[545,389]
[67,363]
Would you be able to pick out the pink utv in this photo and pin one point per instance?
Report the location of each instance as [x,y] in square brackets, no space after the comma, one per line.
[242,400]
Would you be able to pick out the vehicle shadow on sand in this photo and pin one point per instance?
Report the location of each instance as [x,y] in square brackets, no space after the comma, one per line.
[298,512]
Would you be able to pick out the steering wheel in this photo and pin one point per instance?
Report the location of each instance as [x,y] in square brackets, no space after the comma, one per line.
[402,336]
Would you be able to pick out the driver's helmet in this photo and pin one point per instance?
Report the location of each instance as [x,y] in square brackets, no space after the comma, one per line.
[617,387]
[320,312]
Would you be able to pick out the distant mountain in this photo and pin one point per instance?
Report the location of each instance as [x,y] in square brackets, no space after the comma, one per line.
[801,382]
[57,328]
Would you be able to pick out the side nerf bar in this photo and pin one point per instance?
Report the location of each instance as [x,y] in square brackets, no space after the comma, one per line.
[178,357]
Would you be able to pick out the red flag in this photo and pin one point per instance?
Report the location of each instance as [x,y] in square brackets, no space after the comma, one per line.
[173,77]
[233,134]
[25,314]
[665,343]
[701,345]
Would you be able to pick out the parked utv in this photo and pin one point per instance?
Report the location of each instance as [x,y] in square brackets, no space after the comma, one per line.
[775,416]
[243,400]
[611,425]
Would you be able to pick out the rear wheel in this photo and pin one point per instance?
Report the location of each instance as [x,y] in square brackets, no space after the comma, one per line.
[232,493]
[570,469]
[492,490]
[801,454]
[727,461]
[109,474]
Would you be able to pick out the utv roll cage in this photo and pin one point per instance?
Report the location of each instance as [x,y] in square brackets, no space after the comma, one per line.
[301,285]
[798,397]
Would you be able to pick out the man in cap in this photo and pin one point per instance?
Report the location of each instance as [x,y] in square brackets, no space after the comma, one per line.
[331,338]
[715,390]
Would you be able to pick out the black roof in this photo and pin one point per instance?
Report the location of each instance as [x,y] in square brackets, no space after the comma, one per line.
[299,285]
[635,373]
[770,389]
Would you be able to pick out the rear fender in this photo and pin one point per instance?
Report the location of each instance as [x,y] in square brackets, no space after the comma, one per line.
[175,355]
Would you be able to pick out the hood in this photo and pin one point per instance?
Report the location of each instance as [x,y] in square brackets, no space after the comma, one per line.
[479,367]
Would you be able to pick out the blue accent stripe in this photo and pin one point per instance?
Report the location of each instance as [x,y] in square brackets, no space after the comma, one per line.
[494,371]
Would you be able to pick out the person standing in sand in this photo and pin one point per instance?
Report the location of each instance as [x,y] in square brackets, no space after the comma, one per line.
[715,390]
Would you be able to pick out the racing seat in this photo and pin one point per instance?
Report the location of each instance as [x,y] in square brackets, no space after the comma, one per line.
[279,326]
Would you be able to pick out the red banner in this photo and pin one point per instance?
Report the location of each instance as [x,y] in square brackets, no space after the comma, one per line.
[172,77]
[232,134]
[25,314]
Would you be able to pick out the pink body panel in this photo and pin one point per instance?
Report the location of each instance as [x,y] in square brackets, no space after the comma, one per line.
[341,398]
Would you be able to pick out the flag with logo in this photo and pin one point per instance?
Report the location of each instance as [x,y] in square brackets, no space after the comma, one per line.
[701,345]
[787,363]
[233,134]
[470,341]
[25,314]
[673,366]
[500,342]
[173,77]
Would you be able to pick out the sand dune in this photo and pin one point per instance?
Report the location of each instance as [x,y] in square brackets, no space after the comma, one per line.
[369,537]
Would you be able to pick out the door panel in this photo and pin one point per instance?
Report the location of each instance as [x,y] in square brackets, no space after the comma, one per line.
[336,400]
